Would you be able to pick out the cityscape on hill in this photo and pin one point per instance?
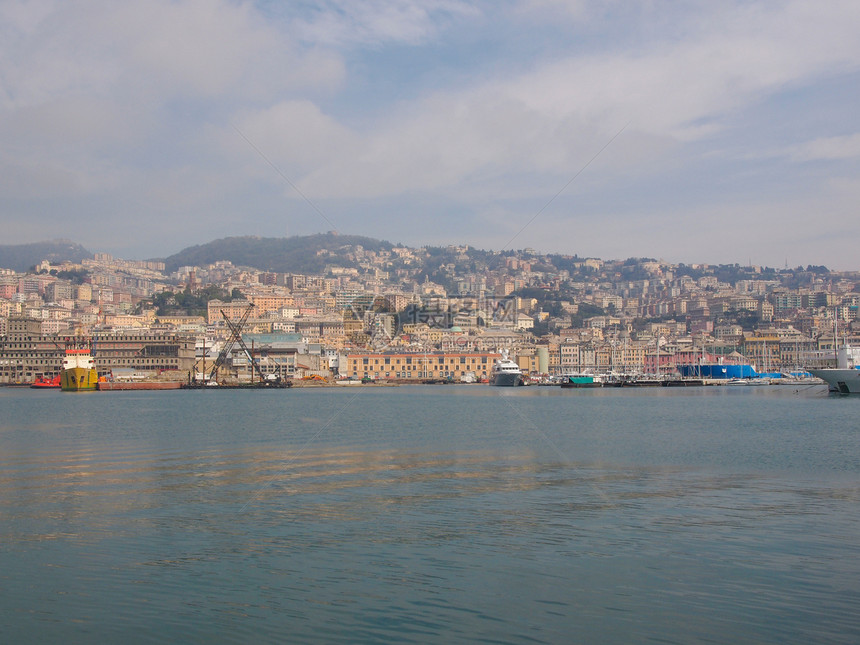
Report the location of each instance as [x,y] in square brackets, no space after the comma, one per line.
[415,321]
[338,306]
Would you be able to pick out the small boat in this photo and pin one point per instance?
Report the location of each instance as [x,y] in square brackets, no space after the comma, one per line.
[645,381]
[46,383]
[581,380]
[761,380]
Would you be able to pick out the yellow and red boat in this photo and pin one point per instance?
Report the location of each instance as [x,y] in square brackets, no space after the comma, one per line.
[79,370]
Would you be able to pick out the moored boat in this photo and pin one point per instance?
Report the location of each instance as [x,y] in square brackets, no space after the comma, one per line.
[581,380]
[115,386]
[506,373]
[846,381]
[79,370]
[845,377]
[46,383]
[720,370]
[645,381]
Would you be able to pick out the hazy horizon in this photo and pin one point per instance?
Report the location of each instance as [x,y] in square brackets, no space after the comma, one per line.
[539,251]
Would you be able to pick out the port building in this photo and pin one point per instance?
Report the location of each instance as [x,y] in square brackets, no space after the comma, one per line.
[27,355]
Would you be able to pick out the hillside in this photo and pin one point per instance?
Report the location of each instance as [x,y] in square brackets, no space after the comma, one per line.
[297,254]
[20,257]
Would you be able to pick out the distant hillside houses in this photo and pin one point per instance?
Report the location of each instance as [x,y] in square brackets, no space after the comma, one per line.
[553,313]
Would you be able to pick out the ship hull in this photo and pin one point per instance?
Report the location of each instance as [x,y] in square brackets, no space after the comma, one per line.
[845,381]
[717,371]
[116,386]
[47,384]
[581,384]
[78,379]
[506,380]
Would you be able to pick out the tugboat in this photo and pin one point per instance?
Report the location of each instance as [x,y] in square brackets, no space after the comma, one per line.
[506,373]
[79,370]
[47,383]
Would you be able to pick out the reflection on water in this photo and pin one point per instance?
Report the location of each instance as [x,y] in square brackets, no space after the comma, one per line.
[420,517]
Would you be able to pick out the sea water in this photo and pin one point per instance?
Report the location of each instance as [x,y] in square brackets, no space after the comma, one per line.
[430,514]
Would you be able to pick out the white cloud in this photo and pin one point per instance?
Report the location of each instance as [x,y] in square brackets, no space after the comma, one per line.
[135,100]
[297,135]
[374,22]
[552,118]
[676,86]
[827,148]
[94,85]
[156,50]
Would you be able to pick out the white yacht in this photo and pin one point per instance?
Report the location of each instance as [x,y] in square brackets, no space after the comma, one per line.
[845,377]
[506,373]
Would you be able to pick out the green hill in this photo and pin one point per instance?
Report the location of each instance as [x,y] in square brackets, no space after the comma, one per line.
[299,254]
[20,257]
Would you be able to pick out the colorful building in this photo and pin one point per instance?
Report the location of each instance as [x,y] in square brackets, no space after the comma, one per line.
[419,366]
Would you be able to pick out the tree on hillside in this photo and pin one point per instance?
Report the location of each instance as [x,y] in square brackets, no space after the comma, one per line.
[188,303]
[585,310]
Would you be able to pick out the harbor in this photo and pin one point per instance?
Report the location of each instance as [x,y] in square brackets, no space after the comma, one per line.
[468,322]
[79,372]
[346,514]
[562,382]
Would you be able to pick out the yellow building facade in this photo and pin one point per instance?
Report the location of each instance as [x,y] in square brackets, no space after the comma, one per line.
[419,366]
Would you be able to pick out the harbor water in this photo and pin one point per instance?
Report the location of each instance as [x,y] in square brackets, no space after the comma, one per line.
[430,514]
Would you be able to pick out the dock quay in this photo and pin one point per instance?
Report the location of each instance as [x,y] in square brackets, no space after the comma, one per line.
[256,385]
[115,386]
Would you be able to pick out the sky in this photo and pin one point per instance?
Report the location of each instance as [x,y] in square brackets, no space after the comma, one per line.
[716,132]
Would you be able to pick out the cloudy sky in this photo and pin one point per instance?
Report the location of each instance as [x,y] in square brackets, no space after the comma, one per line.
[689,131]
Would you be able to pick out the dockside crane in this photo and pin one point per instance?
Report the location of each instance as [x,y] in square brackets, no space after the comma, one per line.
[236,334]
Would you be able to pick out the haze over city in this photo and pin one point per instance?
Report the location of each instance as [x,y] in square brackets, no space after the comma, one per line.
[707,132]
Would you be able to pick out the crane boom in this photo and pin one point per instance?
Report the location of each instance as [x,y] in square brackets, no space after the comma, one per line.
[236,333]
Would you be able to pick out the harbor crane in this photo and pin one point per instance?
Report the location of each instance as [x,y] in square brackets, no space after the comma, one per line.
[235,335]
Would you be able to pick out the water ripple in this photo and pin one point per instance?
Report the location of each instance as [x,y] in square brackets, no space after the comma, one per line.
[424,532]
